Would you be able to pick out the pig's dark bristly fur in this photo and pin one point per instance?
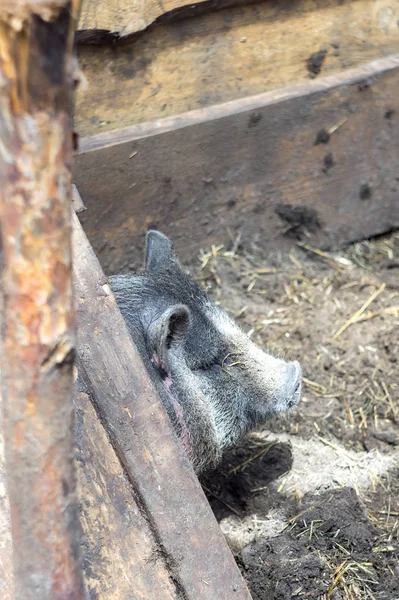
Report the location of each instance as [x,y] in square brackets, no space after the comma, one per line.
[215,383]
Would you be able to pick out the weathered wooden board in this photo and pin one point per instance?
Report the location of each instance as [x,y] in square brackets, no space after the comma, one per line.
[121,558]
[188,538]
[6,564]
[103,20]
[228,54]
[241,164]
[123,17]
[6,548]
[38,333]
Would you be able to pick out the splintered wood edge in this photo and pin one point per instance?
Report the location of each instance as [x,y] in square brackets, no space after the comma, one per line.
[218,111]
[77,202]
[107,18]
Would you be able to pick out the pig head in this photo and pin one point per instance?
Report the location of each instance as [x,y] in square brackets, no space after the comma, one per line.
[215,383]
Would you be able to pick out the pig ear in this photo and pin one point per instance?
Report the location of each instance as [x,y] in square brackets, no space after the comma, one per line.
[159,253]
[169,330]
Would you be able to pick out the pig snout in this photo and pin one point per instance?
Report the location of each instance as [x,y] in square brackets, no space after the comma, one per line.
[293,384]
[280,382]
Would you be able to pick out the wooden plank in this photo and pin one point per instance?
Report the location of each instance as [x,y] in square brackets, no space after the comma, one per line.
[36,44]
[6,549]
[188,536]
[240,164]
[121,557]
[6,566]
[102,21]
[121,17]
[226,55]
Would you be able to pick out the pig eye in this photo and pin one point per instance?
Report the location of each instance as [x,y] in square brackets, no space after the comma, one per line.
[212,367]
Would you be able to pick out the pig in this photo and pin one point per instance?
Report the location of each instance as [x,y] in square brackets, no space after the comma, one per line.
[214,382]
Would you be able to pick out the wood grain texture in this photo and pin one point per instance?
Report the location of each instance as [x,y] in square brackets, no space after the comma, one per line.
[124,17]
[188,537]
[38,336]
[198,178]
[6,565]
[121,558]
[228,54]
[6,549]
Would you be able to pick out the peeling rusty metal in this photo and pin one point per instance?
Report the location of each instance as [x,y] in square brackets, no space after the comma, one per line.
[36,40]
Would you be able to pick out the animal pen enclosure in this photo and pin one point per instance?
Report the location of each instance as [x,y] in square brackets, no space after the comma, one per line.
[277,121]
[140,466]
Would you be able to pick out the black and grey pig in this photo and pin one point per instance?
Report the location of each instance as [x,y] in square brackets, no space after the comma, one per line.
[215,383]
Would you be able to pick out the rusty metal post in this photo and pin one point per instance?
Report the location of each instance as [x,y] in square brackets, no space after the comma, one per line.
[36,72]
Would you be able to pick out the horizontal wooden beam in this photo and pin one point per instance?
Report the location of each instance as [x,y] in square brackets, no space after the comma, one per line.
[254,165]
[122,18]
[228,55]
[364,74]
[102,20]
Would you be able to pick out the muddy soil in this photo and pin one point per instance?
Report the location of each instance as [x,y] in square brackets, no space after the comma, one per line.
[310,506]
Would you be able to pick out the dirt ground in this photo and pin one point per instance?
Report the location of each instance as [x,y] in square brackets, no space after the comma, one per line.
[310,506]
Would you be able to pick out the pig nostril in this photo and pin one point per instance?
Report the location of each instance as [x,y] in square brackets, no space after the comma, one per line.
[293,383]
